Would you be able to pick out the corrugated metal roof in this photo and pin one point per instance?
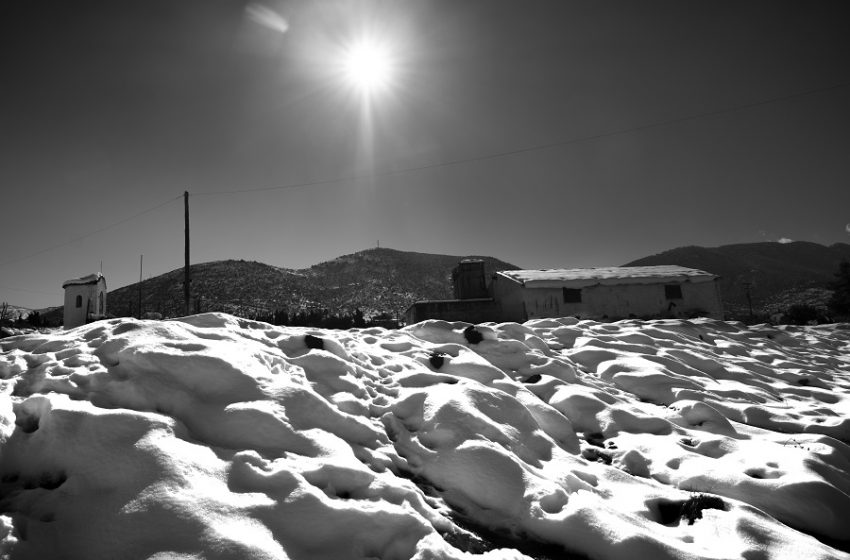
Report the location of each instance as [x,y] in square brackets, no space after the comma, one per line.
[579,277]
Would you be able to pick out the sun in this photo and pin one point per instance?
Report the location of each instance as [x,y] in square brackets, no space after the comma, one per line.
[368,66]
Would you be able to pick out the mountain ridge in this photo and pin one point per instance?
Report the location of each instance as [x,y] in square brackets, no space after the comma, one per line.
[378,281]
[772,275]
[385,282]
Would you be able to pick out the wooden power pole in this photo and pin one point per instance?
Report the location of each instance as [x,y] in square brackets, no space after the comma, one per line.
[141,263]
[747,286]
[186,279]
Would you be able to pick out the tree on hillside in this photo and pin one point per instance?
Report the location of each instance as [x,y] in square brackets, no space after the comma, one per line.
[358,321]
[34,319]
[839,303]
[7,313]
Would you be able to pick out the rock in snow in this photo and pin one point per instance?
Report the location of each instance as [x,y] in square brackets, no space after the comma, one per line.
[213,437]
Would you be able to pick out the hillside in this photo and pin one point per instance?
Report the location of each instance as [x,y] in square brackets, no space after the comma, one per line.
[387,281]
[375,281]
[236,286]
[778,274]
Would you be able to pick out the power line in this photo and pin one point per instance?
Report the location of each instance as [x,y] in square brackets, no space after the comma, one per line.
[535,148]
[105,228]
[29,292]
[459,161]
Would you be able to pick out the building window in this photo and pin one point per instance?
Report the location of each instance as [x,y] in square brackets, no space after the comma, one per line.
[572,295]
[79,301]
[673,291]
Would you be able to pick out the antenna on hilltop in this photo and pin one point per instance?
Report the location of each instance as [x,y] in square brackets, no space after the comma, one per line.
[379,243]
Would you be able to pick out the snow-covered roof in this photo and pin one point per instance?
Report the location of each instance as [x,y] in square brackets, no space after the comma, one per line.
[581,277]
[90,279]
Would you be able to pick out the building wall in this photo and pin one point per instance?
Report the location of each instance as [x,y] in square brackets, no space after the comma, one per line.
[608,301]
[469,310]
[90,297]
[469,280]
[509,294]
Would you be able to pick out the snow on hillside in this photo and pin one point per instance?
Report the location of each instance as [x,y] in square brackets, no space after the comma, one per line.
[215,437]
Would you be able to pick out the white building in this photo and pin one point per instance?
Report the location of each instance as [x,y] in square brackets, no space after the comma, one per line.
[607,293]
[85,300]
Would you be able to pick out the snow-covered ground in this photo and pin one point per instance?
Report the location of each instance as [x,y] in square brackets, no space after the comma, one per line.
[216,437]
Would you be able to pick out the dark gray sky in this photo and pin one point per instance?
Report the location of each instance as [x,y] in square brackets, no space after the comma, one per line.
[545,133]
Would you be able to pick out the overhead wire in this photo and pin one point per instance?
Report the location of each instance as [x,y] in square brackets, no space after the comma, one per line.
[527,149]
[459,161]
[95,232]
[29,292]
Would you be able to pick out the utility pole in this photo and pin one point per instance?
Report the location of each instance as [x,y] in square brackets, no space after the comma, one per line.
[186,279]
[749,298]
[141,263]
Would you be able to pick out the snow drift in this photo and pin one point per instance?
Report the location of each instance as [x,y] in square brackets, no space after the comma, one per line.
[216,437]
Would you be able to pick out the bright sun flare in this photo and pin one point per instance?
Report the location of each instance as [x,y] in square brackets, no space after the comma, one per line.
[368,66]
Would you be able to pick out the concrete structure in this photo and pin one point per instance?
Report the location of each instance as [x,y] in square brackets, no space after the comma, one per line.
[478,310]
[473,302]
[85,300]
[646,292]
[469,281]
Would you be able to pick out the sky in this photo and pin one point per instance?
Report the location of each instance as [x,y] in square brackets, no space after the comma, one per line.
[549,134]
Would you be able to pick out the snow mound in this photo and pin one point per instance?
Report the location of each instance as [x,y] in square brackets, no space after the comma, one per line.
[221,438]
